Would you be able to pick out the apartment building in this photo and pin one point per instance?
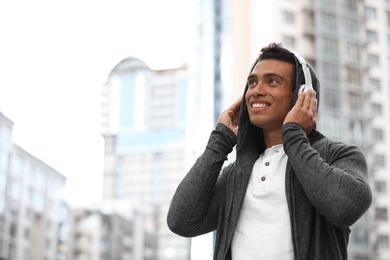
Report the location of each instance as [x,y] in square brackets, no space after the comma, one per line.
[30,204]
[109,230]
[377,35]
[143,124]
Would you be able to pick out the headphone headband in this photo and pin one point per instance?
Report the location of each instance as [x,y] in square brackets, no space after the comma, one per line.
[305,69]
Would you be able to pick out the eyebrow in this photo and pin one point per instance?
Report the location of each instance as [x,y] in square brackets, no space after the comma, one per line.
[266,75]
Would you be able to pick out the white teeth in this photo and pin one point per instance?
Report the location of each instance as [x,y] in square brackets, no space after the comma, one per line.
[259,105]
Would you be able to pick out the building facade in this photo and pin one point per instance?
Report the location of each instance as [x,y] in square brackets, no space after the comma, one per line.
[143,124]
[30,204]
[109,230]
[377,35]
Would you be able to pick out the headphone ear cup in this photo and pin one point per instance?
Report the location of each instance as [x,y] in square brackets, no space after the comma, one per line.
[302,89]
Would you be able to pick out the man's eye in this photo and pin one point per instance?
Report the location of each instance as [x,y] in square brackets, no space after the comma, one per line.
[273,81]
[252,82]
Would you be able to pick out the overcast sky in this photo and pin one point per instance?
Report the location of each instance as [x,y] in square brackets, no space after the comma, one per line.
[54,58]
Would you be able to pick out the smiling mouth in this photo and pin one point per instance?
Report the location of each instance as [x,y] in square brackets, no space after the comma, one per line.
[259,105]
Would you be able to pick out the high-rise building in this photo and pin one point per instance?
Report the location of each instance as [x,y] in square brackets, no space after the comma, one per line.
[109,230]
[144,127]
[347,43]
[376,33]
[30,202]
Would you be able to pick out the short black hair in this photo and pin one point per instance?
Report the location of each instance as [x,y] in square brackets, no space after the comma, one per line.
[275,51]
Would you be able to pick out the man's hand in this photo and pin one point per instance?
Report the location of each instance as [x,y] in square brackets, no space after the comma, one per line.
[229,117]
[304,111]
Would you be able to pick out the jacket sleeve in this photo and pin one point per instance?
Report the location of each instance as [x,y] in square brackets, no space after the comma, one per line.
[337,188]
[195,205]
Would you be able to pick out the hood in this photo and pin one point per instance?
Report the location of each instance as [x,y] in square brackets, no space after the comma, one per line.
[251,137]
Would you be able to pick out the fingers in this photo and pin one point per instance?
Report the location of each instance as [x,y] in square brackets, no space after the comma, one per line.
[230,116]
[235,112]
[304,111]
[236,105]
[311,103]
[307,100]
[301,99]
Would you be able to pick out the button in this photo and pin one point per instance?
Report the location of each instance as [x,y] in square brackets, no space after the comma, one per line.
[267,163]
[263,178]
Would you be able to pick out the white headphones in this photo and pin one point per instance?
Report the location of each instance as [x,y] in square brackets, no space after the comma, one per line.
[306,73]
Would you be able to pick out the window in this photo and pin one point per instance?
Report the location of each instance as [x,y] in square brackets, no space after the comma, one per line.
[381,213]
[25,254]
[13,230]
[380,187]
[329,23]
[353,76]
[39,202]
[356,256]
[388,42]
[29,171]
[373,60]
[163,102]
[17,166]
[372,36]
[350,28]
[352,52]
[377,134]
[327,3]
[383,241]
[331,72]
[375,84]
[360,236]
[16,189]
[288,17]
[120,177]
[355,102]
[329,48]
[40,181]
[127,110]
[48,244]
[331,98]
[350,5]
[356,127]
[388,19]
[371,13]
[379,160]
[26,233]
[333,124]
[11,251]
[289,42]
[6,138]
[15,207]
[2,204]
[376,109]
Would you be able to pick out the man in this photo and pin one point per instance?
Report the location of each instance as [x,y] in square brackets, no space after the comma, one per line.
[291,193]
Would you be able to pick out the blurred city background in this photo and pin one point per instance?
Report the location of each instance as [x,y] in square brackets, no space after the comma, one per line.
[104,106]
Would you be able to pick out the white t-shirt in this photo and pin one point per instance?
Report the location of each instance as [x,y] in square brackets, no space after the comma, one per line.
[263,230]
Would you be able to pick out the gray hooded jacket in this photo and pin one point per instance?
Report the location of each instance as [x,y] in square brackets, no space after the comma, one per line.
[326,187]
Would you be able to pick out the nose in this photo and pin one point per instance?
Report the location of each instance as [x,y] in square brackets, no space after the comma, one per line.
[259,90]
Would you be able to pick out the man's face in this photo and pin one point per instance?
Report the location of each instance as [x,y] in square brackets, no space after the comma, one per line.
[269,93]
